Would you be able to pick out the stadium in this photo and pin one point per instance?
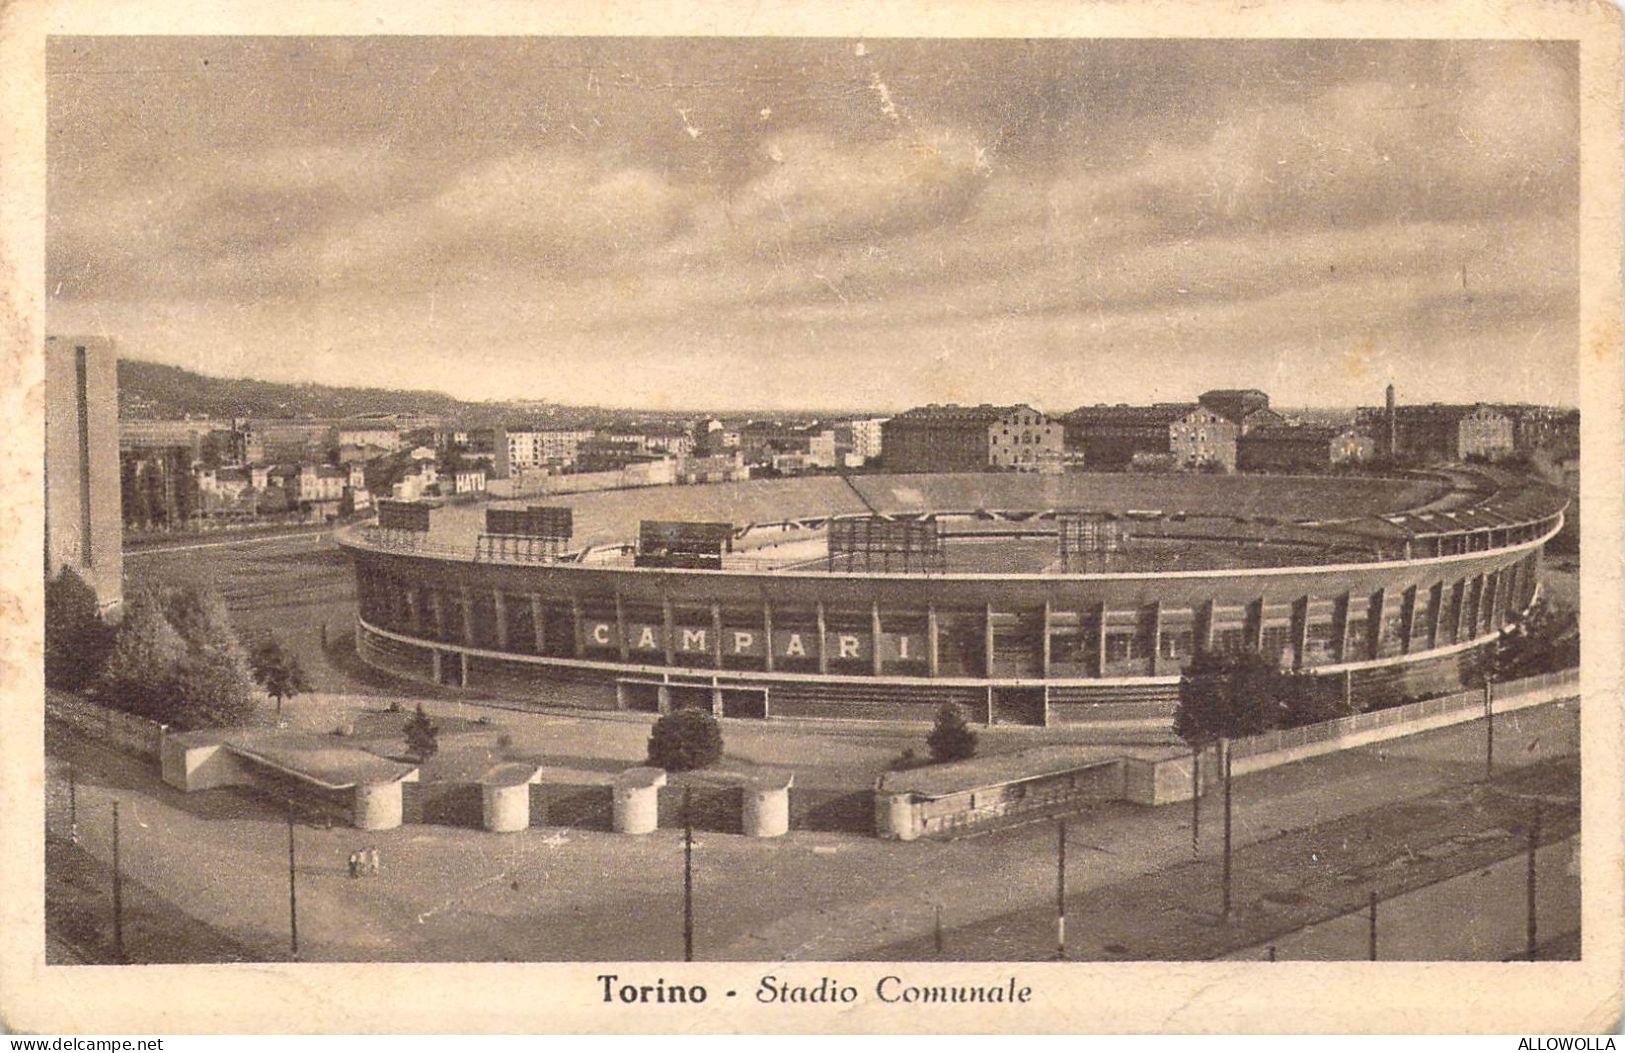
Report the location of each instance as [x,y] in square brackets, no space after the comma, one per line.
[1046,600]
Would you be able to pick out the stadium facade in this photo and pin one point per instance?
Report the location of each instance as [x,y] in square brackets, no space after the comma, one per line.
[1378,607]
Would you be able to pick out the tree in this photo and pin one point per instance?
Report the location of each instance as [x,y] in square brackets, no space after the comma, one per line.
[422,735]
[215,684]
[208,691]
[685,740]
[200,616]
[1226,696]
[1544,640]
[76,639]
[951,738]
[278,671]
[1310,700]
[140,669]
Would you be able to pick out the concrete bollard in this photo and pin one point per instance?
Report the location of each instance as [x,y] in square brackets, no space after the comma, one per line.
[766,810]
[507,808]
[505,796]
[637,800]
[377,805]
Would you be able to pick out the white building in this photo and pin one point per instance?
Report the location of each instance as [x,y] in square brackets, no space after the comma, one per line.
[517,450]
[866,437]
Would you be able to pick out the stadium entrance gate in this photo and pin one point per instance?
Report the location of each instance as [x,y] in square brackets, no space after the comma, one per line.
[744,702]
[655,696]
[690,696]
[1018,705]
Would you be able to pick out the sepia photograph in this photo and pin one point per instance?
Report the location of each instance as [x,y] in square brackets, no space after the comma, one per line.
[1017,503]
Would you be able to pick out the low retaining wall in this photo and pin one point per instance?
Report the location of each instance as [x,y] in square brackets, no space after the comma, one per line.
[118,729]
[1165,780]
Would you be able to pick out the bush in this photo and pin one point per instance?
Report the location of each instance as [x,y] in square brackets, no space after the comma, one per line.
[77,641]
[907,761]
[685,740]
[422,735]
[951,738]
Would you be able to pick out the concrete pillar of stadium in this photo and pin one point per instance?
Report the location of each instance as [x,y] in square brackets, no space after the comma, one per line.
[932,654]
[668,624]
[1300,630]
[465,594]
[823,652]
[501,608]
[1407,618]
[874,637]
[987,651]
[636,800]
[1435,601]
[1377,625]
[766,806]
[1156,636]
[376,806]
[767,634]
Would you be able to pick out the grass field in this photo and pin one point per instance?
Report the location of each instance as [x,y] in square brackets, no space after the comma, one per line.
[610,516]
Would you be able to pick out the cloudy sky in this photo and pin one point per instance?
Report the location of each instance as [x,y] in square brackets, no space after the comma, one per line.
[825,223]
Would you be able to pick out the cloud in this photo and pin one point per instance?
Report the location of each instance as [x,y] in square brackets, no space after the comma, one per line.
[1034,198]
[814,189]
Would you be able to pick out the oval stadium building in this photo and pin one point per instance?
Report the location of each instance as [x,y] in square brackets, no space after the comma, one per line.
[1043,600]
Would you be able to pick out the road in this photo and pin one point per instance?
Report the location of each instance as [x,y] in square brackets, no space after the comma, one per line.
[1446,921]
[458,894]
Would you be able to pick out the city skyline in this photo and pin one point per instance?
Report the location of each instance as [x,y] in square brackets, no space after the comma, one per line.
[856,410]
[810,224]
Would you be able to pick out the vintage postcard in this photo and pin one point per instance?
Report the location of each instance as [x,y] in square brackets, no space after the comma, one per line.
[812,518]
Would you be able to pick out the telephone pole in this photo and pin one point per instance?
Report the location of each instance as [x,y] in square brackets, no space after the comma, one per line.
[73,805]
[1489,729]
[293,895]
[1225,747]
[1529,895]
[1060,892]
[688,878]
[1371,927]
[118,893]
[1196,800]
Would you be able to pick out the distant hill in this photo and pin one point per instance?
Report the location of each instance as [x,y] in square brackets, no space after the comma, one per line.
[148,390]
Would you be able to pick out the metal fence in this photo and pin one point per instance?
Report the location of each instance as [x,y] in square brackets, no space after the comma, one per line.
[1293,738]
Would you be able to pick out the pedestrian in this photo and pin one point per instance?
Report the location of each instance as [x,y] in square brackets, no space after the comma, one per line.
[355,864]
[372,859]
